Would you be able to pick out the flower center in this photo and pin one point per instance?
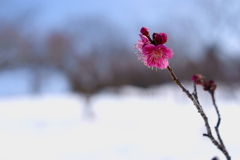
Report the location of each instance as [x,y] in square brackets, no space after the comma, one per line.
[157,53]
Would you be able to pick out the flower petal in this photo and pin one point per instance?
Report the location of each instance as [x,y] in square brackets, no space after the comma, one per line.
[162,64]
[150,61]
[139,45]
[144,39]
[167,52]
[148,49]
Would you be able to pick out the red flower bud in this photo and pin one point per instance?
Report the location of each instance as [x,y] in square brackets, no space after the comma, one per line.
[145,31]
[160,38]
[198,78]
[206,86]
[154,35]
[213,85]
[210,86]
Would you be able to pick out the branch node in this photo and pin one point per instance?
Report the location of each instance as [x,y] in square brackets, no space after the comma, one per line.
[206,135]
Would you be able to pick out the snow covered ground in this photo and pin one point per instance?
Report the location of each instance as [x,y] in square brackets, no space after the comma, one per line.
[135,124]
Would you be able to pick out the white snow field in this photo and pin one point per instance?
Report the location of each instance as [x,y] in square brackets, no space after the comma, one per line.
[159,123]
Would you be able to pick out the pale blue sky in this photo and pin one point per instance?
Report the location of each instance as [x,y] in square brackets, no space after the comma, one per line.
[54,12]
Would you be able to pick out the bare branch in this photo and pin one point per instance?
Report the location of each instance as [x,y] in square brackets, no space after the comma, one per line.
[219,117]
[195,91]
[200,110]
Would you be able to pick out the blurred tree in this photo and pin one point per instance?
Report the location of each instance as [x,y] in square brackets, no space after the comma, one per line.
[93,57]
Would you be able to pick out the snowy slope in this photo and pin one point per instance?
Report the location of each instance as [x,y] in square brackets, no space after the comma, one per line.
[155,124]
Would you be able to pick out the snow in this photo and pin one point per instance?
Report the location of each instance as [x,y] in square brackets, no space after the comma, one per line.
[155,124]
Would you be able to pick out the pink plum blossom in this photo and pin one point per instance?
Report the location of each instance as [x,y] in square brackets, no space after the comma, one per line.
[152,52]
[156,56]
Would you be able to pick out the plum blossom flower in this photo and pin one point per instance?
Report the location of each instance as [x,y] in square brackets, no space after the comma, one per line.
[152,52]
[156,56]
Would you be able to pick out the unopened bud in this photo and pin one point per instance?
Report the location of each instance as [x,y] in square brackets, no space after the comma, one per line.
[212,85]
[154,35]
[198,78]
[160,38]
[145,31]
[206,86]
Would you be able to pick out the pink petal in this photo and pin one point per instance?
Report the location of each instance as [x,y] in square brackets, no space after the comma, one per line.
[162,64]
[148,49]
[158,63]
[139,45]
[150,61]
[144,39]
[167,52]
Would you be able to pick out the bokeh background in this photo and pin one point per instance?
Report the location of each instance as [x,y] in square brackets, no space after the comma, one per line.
[68,73]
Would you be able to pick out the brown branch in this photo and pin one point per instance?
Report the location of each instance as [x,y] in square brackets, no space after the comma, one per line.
[219,118]
[200,110]
[195,90]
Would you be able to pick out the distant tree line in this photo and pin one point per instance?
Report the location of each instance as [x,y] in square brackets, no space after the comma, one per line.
[93,57]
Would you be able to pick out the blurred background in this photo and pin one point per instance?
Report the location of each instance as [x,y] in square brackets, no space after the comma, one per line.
[67,69]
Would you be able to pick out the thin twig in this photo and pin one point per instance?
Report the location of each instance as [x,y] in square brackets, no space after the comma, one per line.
[195,90]
[219,118]
[200,110]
